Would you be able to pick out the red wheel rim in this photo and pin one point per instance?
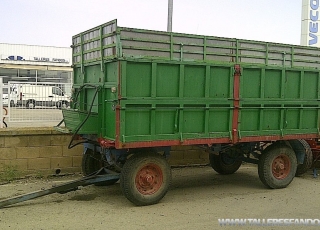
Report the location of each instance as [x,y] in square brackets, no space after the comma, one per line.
[149,179]
[281,166]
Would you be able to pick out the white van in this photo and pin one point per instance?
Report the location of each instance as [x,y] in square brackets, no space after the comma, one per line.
[41,95]
[9,97]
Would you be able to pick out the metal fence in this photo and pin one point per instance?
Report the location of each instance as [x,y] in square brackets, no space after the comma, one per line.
[34,102]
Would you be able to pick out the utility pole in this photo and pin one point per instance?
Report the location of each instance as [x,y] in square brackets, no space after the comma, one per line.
[170,10]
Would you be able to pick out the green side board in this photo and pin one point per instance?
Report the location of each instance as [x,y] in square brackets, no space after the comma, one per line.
[166,101]
[176,101]
[158,86]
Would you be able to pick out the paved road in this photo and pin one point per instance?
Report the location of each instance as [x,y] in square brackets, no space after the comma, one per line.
[198,197]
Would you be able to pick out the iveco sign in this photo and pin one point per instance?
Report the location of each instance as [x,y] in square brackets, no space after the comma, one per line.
[313,24]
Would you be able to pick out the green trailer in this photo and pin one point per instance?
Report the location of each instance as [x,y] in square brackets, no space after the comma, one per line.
[138,92]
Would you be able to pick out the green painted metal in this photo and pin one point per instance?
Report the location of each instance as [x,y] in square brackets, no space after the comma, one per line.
[279,101]
[165,101]
[74,119]
[160,86]
[109,41]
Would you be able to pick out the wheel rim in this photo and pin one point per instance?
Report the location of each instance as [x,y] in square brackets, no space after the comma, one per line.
[31,104]
[149,179]
[281,167]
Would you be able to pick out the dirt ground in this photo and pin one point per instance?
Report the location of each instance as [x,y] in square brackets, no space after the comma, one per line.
[197,199]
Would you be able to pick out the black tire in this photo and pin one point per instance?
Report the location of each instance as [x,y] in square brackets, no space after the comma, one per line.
[145,178]
[224,163]
[277,166]
[91,163]
[12,103]
[302,145]
[62,104]
[31,104]
[5,124]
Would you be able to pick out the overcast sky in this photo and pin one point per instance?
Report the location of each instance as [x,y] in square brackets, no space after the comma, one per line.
[54,22]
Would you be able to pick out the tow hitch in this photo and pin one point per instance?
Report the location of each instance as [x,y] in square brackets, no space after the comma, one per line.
[101,175]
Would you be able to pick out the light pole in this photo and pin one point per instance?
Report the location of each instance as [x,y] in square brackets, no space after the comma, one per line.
[170,10]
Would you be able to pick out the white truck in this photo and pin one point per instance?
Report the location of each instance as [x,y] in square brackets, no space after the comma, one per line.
[31,96]
[9,96]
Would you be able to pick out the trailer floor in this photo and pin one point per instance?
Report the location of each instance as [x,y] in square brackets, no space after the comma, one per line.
[198,197]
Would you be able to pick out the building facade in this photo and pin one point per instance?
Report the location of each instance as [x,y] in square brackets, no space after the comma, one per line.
[30,63]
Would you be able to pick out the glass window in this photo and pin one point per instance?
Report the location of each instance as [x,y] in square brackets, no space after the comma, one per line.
[36,75]
[5,90]
[27,75]
[57,91]
[9,74]
[54,76]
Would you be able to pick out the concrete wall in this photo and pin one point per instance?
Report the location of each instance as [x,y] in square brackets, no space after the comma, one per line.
[43,151]
[38,150]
